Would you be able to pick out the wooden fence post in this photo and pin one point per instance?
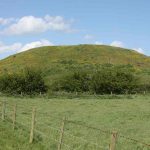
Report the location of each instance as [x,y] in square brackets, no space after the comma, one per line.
[32,126]
[61,134]
[3,110]
[113,141]
[14,116]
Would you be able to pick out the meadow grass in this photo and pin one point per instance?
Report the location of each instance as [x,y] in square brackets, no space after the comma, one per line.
[129,117]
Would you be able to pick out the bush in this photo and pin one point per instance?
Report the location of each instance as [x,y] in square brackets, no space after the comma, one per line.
[101,80]
[115,80]
[11,83]
[79,81]
[29,82]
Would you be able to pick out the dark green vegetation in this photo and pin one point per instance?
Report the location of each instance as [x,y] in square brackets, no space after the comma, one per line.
[104,79]
[28,82]
[79,65]
[101,80]
[130,117]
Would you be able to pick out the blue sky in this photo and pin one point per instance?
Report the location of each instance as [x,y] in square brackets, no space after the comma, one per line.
[31,23]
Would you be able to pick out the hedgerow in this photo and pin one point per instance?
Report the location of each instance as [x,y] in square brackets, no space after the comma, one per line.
[28,82]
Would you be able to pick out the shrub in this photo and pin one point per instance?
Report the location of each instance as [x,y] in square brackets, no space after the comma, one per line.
[101,80]
[11,83]
[118,81]
[78,81]
[28,82]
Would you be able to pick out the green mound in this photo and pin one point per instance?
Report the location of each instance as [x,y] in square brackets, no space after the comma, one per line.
[59,60]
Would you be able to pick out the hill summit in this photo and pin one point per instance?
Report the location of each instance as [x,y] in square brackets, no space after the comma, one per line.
[93,54]
[55,61]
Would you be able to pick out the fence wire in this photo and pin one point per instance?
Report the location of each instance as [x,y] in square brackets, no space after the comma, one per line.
[77,135]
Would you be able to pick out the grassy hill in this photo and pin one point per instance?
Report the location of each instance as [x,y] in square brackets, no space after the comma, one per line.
[58,60]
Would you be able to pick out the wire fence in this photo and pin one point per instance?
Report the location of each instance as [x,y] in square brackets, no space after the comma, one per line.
[65,134]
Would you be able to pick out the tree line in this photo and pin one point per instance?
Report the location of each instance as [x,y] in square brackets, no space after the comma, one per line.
[28,82]
[104,79]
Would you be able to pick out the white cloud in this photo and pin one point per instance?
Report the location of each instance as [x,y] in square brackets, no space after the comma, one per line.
[98,43]
[32,25]
[6,21]
[139,50]
[117,44]
[88,37]
[6,48]
[121,44]
[35,44]
[19,47]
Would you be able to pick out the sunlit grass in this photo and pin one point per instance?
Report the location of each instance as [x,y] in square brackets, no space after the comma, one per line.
[129,117]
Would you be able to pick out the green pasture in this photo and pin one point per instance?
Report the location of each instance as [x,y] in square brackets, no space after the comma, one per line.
[88,127]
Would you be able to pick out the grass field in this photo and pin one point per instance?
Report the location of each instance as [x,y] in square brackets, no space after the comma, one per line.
[129,117]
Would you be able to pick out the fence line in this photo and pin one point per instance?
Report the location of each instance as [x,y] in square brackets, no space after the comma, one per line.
[51,127]
[134,140]
[90,127]
[12,119]
[84,140]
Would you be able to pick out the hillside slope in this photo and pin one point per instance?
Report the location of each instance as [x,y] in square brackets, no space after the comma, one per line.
[55,60]
[81,53]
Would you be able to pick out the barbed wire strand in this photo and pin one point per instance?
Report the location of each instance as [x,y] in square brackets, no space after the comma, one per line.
[51,127]
[90,127]
[40,132]
[134,140]
[84,140]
